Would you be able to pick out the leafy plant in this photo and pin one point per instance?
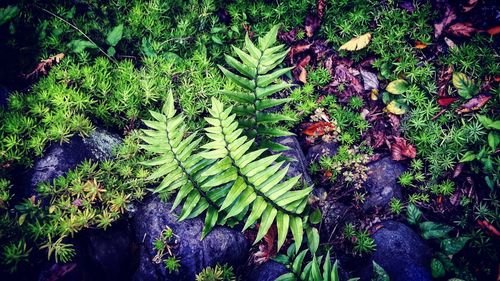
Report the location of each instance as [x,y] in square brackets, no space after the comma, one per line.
[258,83]
[225,179]
[217,273]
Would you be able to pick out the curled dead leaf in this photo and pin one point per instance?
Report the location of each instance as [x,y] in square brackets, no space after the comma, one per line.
[464,29]
[44,66]
[449,17]
[319,128]
[312,24]
[401,149]
[357,43]
[473,104]
[471,4]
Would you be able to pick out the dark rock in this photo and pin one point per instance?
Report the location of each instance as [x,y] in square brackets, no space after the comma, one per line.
[60,158]
[4,96]
[402,253]
[222,245]
[298,165]
[382,183]
[110,253]
[268,271]
[334,215]
[326,148]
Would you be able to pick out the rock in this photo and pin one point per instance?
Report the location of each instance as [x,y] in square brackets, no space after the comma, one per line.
[268,271]
[298,165]
[222,245]
[382,183]
[110,253]
[60,158]
[402,253]
[4,96]
[334,215]
[325,148]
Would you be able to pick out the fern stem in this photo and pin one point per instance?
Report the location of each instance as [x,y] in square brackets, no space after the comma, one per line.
[247,182]
[188,176]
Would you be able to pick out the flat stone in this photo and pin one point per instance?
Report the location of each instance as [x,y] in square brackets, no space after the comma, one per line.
[268,271]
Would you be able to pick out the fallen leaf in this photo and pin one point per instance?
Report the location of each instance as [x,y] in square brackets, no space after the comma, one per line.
[319,128]
[449,16]
[395,108]
[302,77]
[445,101]
[488,226]
[320,8]
[474,104]
[420,45]
[266,248]
[312,24]
[397,87]
[288,37]
[462,29]
[44,66]
[450,43]
[494,30]
[370,80]
[465,86]
[444,78]
[374,94]
[357,43]
[401,149]
[300,72]
[469,5]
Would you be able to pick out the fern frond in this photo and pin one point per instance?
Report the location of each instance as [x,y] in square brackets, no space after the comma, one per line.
[255,72]
[256,183]
[178,166]
[312,271]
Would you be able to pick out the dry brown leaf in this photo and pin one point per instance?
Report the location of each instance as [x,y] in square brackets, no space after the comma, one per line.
[312,24]
[449,16]
[320,8]
[474,104]
[44,66]
[469,5]
[450,43]
[319,128]
[401,149]
[420,45]
[462,29]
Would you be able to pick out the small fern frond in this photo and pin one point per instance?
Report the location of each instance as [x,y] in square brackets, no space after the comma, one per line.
[256,73]
[178,166]
[313,270]
[257,183]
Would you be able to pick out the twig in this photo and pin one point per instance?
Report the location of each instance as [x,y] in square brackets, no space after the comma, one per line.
[77,29]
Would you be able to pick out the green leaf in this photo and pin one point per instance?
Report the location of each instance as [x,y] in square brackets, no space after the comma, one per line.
[8,13]
[115,35]
[434,230]
[396,108]
[78,46]
[312,239]
[287,277]
[282,223]
[452,246]
[266,222]
[397,87]
[493,140]
[315,271]
[297,231]
[379,273]
[413,214]
[315,217]
[111,51]
[468,156]
[437,269]
[269,39]
[297,263]
[465,86]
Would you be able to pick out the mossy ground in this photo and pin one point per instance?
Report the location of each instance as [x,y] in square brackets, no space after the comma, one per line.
[176,46]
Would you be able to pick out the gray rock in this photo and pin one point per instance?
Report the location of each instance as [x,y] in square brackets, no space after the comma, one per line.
[222,245]
[60,158]
[298,166]
[323,149]
[334,215]
[268,271]
[402,253]
[382,183]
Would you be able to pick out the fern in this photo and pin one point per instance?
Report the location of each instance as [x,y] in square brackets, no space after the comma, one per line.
[256,78]
[226,179]
[255,182]
[178,165]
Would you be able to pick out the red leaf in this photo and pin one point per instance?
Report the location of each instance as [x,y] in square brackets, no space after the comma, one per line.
[420,45]
[445,101]
[266,248]
[473,104]
[492,229]
[494,30]
[319,128]
[401,149]
[469,6]
[462,29]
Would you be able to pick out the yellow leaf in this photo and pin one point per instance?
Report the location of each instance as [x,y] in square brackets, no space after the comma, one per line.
[374,94]
[357,43]
[395,108]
